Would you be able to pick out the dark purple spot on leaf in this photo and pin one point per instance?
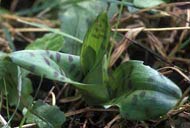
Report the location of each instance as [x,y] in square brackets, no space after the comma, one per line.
[142,94]
[61,72]
[70,58]
[31,54]
[56,74]
[129,74]
[150,79]
[46,61]
[62,78]
[58,57]
[130,86]
[51,56]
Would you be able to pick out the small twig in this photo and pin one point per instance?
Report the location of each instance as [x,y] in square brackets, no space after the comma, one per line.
[178,71]
[28,30]
[70,99]
[61,91]
[88,109]
[171,122]
[183,60]
[150,51]
[108,125]
[3,121]
[39,86]
[113,29]
[50,29]
[53,96]
[85,123]
[29,19]
[173,113]
[123,45]
[163,6]
[183,96]
[183,75]
[27,125]
[152,29]
[14,5]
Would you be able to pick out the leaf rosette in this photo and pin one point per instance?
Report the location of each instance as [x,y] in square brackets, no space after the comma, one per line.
[139,91]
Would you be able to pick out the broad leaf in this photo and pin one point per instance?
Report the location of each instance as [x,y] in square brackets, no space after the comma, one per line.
[9,83]
[50,64]
[76,19]
[49,41]
[148,3]
[61,67]
[94,48]
[135,88]
[141,92]
[45,116]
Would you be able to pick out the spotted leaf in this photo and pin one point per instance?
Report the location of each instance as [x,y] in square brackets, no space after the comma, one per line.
[94,48]
[141,92]
[44,115]
[50,64]
[60,67]
[9,82]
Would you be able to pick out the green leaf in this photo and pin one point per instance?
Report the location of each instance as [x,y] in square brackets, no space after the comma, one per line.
[112,10]
[3,11]
[94,48]
[144,104]
[148,3]
[76,19]
[50,64]
[141,92]
[38,7]
[53,30]
[26,92]
[49,41]
[61,67]
[9,82]
[45,116]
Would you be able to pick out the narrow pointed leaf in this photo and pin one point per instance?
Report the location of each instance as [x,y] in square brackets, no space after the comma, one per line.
[94,48]
[95,43]
[76,19]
